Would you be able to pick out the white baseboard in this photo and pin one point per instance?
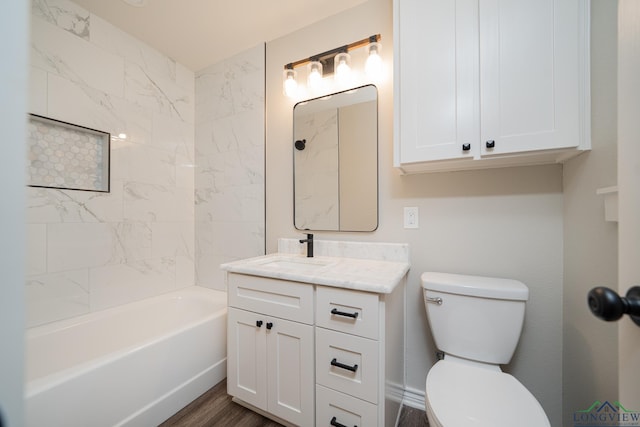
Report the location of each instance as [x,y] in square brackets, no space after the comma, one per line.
[414,398]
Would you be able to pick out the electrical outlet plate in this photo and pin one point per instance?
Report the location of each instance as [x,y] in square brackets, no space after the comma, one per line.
[411,215]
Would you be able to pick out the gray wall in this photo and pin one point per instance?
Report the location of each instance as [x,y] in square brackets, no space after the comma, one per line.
[590,362]
[506,222]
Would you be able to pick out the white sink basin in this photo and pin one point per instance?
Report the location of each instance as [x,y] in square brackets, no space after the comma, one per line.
[295,264]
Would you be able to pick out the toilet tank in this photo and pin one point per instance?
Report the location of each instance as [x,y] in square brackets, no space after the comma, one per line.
[477,318]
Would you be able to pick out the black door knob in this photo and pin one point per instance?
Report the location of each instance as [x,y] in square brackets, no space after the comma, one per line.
[258,323]
[607,305]
[491,143]
[269,325]
[466,147]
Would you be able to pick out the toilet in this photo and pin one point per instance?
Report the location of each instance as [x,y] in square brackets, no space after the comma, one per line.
[476,321]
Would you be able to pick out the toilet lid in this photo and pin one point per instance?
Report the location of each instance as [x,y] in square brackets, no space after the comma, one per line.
[464,395]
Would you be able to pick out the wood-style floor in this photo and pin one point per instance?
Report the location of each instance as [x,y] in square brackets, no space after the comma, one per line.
[215,408]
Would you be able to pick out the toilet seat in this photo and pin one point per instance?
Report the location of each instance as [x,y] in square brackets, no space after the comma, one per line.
[464,395]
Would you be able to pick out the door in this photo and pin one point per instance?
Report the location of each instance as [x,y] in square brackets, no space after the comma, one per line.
[629,192]
[290,371]
[247,357]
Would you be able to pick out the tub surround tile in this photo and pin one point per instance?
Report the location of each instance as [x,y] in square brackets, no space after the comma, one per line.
[65,55]
[170,178]
[56,296]
[229,164]
[65,15]
[157,94]
[47,205]
[37,244]
[37,91]
[111,39]
[82,245]
[121,283]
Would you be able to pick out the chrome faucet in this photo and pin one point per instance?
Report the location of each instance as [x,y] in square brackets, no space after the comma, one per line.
[309,242]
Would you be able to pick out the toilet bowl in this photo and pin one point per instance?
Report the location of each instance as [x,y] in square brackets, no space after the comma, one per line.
[476,321]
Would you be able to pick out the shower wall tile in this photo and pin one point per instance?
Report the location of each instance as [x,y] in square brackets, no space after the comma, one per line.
[111,39]
[56,296]
[121,283]
[64,14]
[229,164]
[46,205]
[88,250]
[38,91]
[37,243]
[60,53]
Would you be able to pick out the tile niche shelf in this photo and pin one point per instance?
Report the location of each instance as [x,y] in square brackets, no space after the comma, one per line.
[66,156]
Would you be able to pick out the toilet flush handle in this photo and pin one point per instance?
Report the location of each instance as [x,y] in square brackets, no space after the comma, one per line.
[436,300]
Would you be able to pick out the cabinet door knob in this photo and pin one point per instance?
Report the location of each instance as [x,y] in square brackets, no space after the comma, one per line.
[466,147]
[491,143]
[258,323]
[335,423]
[353,368]
[269,325]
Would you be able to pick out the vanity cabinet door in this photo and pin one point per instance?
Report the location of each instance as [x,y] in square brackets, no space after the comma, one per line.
[270,365]
[290,368]
[246,357]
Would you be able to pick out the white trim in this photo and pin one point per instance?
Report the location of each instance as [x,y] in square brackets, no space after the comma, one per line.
[414,398]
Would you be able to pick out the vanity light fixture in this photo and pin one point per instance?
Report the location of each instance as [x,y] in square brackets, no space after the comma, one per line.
[342,67]
[289,82]
[335,61]
[373,65]
[314,76]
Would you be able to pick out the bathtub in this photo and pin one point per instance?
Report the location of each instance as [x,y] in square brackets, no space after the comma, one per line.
[134,365]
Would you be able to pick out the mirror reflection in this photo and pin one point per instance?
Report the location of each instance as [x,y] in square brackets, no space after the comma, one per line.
[335,161]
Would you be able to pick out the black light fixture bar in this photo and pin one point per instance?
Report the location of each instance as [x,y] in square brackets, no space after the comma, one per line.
[325,57]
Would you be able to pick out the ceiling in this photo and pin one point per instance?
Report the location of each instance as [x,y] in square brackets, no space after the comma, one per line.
[199,33]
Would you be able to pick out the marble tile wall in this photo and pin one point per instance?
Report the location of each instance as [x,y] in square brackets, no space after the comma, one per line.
[88,250]
[229,175]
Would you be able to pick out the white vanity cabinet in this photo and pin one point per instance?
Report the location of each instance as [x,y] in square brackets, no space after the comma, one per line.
[488,84]
[310,354]
[270,360]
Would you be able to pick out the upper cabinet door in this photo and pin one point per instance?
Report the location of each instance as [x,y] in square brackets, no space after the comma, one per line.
[530,75]
[436,84]
[489,83]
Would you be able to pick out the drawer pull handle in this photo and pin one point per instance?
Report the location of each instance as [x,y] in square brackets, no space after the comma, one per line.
[336,423]
[353,368]
[342,313]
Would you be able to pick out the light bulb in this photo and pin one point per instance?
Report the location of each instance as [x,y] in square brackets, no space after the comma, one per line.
[342,67]
[314,79]
[373,66]
[289,83]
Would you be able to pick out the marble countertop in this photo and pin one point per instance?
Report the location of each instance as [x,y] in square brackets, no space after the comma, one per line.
[369,275]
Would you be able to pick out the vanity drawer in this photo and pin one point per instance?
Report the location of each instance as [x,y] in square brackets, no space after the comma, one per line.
[348,364]
[347,410]
[274,297]
[348,311]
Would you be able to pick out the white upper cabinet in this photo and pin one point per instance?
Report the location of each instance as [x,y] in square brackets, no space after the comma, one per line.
[489,83]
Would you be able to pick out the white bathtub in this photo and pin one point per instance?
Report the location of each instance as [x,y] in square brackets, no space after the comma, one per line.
[135,365]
